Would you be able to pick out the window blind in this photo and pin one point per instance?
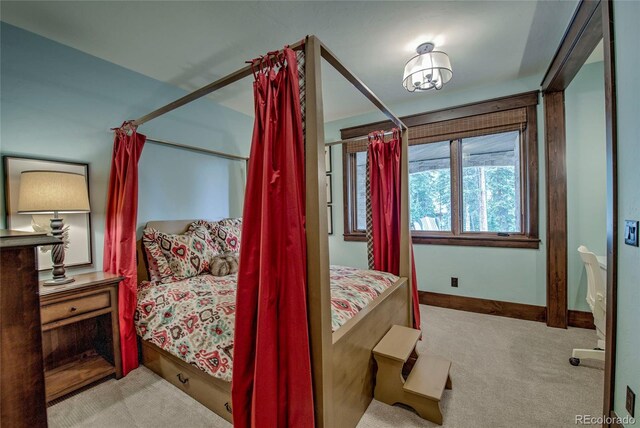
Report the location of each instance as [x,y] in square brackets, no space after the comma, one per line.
[471,126]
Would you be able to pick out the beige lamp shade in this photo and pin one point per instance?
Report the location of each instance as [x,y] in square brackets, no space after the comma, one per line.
[52,191]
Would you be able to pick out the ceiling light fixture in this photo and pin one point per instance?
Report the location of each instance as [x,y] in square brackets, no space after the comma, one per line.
[428,70]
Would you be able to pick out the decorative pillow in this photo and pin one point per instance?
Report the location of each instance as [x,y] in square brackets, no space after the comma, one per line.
[224,264]
[202,232]
[228,234]
[185,255]
[158,265]
[209,225]
[225,233]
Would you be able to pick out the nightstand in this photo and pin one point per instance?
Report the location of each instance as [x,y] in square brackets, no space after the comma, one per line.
[80,332]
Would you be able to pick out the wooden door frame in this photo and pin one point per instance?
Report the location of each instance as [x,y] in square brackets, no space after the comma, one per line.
[582,35]
[592,22]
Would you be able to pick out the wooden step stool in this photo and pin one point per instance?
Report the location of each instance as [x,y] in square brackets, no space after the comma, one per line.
[425,384]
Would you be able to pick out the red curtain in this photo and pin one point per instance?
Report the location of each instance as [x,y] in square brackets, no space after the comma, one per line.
[385,182]
[271,362]
[120,235]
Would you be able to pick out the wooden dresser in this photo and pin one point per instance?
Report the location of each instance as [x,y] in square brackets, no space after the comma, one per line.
[80,332]
[22,396]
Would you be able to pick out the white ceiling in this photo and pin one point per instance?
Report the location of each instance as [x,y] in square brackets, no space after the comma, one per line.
[190,44]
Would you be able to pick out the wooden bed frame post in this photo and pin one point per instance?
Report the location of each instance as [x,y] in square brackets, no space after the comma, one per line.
[343,402]
[405,231]
[318,281]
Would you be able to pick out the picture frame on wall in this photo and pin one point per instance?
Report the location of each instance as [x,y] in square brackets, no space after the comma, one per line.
[327,158]
[329,189]
[330,219]
[77,226]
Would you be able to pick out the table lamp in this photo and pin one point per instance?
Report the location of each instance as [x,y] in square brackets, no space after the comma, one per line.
[53,192]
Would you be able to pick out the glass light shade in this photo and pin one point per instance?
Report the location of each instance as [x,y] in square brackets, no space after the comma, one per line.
[430,70]
[52,191]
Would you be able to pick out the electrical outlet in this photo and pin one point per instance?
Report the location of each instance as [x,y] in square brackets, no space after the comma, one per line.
[454,282]
[631,232]
[631,401]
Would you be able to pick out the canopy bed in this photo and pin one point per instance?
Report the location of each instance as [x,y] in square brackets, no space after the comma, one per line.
[352,335]
[340,362]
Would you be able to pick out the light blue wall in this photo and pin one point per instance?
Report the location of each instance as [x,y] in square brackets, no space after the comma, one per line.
[586,175]
[513,275]
[59,103]
[627,34]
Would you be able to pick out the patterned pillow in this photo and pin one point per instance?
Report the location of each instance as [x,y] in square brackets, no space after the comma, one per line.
[185,255]
[158,265]
[209,225]
[202,232]
[226,233]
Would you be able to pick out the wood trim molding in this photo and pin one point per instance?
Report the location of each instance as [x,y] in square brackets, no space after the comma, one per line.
[354,236]
[532,172]
[611,136]
[581,319]
[484,240]
[593,21]
[582,36]
[525,99]
[578,319]
[518,241]
[484,306]
[556,186]
[615,420]
[348,196]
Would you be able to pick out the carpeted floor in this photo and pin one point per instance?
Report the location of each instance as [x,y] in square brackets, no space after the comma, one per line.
[506,373]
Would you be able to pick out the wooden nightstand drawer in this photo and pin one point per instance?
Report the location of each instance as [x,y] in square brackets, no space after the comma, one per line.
[73,307]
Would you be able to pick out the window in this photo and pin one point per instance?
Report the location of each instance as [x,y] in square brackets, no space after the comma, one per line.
[361,187]
[430,186]
[472,181]
[491,185]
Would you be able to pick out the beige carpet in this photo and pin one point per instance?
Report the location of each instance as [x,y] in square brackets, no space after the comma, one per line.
[506,373]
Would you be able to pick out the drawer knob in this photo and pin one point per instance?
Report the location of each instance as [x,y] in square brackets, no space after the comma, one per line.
[73,309]
[182,379]
[228,407]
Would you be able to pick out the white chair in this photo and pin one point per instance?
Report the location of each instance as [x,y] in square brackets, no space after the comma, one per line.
[597,300]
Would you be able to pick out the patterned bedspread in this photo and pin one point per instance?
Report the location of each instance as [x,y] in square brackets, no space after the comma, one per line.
[193,318]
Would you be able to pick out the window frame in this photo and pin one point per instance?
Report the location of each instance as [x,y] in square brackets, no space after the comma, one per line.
[528,236]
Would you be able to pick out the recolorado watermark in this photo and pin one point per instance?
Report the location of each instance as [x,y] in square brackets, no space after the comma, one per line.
[606,420]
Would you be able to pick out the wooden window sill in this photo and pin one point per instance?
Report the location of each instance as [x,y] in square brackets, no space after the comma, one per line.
[467,241]
[355,237]
[480,241]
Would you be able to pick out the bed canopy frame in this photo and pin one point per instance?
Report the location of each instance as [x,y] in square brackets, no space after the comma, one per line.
[322,343]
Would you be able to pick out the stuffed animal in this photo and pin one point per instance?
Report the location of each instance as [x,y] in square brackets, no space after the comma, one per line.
[224,264]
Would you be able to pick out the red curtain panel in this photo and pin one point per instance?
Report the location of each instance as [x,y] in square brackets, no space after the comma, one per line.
[385,180]
[120,236]
[271,362]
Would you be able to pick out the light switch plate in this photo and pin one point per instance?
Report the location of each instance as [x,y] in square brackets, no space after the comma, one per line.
[631,232]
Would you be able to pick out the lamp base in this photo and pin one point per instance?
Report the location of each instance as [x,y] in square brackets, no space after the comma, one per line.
[58,281]
[57,255]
